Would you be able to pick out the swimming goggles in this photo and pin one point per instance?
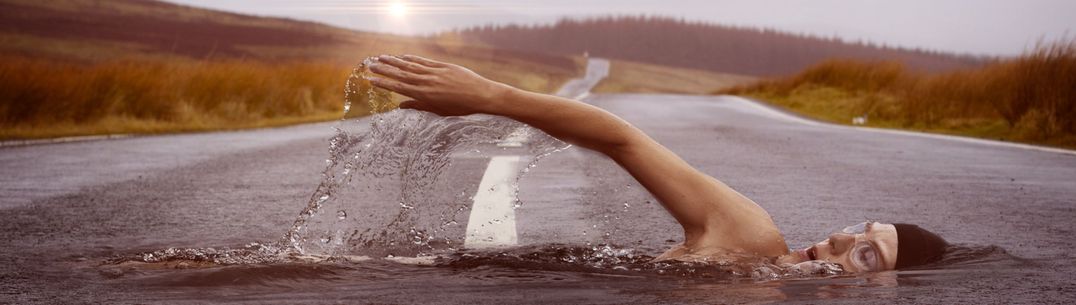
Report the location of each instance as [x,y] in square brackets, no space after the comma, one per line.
[864,254]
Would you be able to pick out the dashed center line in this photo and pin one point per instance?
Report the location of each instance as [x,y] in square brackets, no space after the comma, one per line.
[492,222]
[493,217]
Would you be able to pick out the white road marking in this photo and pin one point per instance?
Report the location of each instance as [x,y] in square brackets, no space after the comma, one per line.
[14,143]
[493,217]
[493,220]
[769,112]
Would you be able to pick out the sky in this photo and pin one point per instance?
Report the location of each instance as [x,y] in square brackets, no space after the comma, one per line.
[982,27]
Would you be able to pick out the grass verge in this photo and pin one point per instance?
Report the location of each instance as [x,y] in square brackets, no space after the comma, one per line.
[43,97]
[1028,99]
[47,98]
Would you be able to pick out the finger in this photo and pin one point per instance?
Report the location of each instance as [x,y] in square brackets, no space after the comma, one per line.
[409,104]
[403,64]
[394,86]
[424,61]
[395,73]
[416,105]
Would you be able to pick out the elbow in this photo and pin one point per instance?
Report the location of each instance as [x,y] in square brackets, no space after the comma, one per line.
[615,145]
[624,145]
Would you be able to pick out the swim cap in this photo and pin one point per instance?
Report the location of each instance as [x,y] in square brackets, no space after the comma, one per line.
[917,246]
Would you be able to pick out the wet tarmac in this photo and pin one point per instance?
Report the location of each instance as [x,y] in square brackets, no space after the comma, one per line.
[78,218]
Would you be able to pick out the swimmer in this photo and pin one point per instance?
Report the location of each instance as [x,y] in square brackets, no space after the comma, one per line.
[717,221]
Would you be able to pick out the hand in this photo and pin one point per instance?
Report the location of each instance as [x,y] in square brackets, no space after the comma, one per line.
[442,88]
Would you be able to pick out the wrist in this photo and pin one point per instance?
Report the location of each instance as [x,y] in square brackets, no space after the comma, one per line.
[498,99]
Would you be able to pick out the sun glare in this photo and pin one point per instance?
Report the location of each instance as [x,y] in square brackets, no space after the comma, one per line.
[398,9]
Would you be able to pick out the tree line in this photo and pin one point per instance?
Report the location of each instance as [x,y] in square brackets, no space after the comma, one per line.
[679,43]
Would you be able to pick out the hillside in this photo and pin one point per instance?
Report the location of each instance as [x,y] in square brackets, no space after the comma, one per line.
[672,42]
[99,30]
[128,26]
[634,77]
[79,67]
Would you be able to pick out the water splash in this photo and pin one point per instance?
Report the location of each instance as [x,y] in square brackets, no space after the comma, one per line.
[253,253]
[392,164]
[606,258]
[595,259]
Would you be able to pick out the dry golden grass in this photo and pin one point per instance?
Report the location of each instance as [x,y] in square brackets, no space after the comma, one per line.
[44,98]
[48,98]
[149,67]
[1029,99]
[633,77]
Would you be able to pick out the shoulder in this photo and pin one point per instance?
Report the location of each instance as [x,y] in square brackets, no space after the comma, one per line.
[756,235]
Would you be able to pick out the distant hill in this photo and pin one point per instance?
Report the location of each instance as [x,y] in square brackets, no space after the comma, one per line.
[673,42]
[94,30]
[81,67]
[155,27]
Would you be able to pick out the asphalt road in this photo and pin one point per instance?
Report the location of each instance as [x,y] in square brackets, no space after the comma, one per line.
[67,207]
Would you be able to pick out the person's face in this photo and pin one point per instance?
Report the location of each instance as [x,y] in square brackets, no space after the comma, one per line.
[869,246]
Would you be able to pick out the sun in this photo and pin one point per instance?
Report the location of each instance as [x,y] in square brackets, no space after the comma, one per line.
[398,9]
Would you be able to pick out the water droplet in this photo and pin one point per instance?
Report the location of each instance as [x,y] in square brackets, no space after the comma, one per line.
[395,153]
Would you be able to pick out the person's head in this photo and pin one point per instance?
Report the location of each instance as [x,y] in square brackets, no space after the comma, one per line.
[874,246]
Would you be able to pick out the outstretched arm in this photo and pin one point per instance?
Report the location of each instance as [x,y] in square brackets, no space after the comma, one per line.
[713,215]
